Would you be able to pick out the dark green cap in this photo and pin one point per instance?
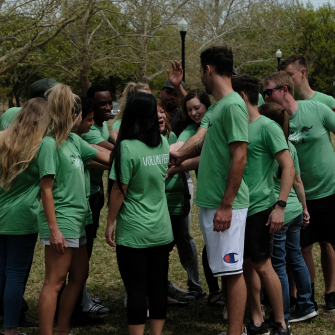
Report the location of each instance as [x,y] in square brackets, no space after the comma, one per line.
[169,85]
[39,87]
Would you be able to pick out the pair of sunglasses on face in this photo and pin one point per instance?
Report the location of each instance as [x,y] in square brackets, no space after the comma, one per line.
[269,91]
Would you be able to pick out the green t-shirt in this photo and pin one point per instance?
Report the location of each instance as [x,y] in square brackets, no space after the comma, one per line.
[324,98]
[309,133]
[293,206]
[66,164]
[143,220]
[266,138]
[205,120]
[174,187]
[188,132]
[117,124]
[94,136]
[8,117]
[20,205]
[260,100]
[89,218]
[228,123]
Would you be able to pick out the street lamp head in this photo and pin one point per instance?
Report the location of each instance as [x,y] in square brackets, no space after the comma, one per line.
[182,25]
[279,53]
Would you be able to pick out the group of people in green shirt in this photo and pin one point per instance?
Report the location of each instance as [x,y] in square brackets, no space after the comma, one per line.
[265,189]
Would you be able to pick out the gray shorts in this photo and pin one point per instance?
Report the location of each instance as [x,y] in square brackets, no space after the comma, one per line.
[70,242]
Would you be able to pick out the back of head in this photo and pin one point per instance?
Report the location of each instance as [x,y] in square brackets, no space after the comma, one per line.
[201,95]
[40,87]
[248,85]
[20,142]
[62,105]
[87,106]
[139,122]
[130,89]
[278,114]
[220,58]
[281,78]
[298,61]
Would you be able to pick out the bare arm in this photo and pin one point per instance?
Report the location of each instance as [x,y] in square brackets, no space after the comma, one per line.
[103,157]
[276,218]
[96,165]
[100,148]
[188,165]
[176,146]
[114,135]
[177,157]
[176,78]
[115,203]
[106,145]
[223,216]
[57,240]
[300,191]
[200,134]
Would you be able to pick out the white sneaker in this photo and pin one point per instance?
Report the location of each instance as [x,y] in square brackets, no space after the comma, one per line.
[244,333]
[174,289]
[300,318]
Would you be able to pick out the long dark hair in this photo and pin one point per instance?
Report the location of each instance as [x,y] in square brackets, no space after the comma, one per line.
[201,96]
[278,114]
[139,122]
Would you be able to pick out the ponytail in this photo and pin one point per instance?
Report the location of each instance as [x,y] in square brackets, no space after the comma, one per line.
[278,114]
[62,104]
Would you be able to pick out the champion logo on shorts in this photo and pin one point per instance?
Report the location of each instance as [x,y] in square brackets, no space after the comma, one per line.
[231,258]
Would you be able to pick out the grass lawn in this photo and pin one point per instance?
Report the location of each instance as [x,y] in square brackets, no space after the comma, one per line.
[105,283]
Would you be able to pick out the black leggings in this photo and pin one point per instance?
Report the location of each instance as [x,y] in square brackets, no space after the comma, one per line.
[212,281]
[143,272]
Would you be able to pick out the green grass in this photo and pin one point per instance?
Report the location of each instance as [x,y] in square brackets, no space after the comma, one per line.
[105,283]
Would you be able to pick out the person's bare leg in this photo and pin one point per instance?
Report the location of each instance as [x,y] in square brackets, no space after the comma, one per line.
[12,331]
[236,300]
[78,275]
[56,269]
[254,290]
[272,287]
[156,327]
[136,329]
[328,265]
[308,257]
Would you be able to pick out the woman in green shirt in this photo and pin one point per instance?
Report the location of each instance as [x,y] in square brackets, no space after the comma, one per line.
[20,205]
[61,159]
[138,202]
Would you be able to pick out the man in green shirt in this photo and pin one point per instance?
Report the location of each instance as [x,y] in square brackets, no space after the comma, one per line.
[266,144]
[310,124]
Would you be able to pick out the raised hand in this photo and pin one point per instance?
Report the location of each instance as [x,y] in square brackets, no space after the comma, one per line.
[176,76]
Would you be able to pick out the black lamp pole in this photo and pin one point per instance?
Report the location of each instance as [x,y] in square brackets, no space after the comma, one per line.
[183,34]
[278,58]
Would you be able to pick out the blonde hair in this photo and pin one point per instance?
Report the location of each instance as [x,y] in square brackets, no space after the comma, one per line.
[130,89]
[281,78]
[62,105]
[20,142]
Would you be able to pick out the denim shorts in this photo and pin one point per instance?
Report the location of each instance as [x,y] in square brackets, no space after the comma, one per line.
[70,242]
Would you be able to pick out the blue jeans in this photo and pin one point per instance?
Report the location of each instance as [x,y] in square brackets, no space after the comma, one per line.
[286,248]
[16,253]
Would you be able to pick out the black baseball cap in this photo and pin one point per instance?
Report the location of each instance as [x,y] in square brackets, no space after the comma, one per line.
[169,85]
[39,87]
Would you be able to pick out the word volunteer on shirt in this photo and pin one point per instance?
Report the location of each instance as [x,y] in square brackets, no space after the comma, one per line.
[156,159]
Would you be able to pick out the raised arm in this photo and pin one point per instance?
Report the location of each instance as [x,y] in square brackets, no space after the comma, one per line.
[176,78]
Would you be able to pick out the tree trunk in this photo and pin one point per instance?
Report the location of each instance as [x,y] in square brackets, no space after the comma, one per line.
[143,70]
[17,99]
[84,80]
[10,101]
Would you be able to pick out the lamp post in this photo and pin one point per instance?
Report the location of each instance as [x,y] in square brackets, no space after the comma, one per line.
[278,55]
[182,25]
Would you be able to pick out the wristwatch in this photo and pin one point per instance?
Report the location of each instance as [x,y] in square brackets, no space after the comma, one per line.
[187,196]
[281,203]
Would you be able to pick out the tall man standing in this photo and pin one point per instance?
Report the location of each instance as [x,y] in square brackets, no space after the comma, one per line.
[310,124]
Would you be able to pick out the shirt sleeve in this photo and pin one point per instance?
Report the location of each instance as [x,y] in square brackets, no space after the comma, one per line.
[327,116]
[172,138]
[206,117]
[187,133]
[116,124]
[87,152]
[275,138]
[93,136]
[126,166]
[235,123]
[47,157]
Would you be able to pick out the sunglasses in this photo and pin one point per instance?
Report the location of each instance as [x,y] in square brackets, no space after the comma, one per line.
[269,91]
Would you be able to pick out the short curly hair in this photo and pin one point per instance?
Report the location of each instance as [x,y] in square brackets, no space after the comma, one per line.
[87,106]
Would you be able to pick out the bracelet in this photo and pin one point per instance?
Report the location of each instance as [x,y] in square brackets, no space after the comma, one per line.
[187,196]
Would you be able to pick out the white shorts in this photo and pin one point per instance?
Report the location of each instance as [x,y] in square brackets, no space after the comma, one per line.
[70,242]
[224,249]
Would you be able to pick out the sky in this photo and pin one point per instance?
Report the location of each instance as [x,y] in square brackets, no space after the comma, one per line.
[319,2]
